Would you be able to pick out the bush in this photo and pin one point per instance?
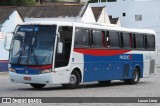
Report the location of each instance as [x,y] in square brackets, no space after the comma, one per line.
[16,2]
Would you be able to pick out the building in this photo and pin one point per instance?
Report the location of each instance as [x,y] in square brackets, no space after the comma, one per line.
[143,14]
[135,13]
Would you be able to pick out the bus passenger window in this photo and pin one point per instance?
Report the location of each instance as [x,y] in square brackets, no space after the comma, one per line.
[114,39]
[82,38]
[97,38]
[151,42]
[127,40]
[139,41]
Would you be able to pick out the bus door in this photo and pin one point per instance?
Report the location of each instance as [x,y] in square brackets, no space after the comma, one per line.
[62,58]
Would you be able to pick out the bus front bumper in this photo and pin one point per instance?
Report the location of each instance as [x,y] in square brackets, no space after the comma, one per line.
[46,78]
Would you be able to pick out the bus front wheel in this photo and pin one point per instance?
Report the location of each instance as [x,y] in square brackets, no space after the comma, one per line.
[74,81]
[37,86]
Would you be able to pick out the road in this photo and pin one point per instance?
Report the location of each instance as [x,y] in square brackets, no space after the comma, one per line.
[147,87]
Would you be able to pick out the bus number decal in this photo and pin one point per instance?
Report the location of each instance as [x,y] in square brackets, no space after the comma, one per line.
[125,57]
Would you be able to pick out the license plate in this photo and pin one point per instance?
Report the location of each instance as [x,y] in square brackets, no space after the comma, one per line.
[27,78]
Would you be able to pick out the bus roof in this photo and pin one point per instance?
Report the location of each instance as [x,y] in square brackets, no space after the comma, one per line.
[92,25]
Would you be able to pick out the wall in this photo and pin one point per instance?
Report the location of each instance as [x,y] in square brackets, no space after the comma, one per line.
[103,18]
[8,26]
[88,15]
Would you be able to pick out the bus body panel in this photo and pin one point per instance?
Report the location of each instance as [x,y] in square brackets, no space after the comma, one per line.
[115,67]
[39,79]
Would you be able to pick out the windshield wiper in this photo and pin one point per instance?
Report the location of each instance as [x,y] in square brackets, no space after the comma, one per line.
[19,57]
[34,56]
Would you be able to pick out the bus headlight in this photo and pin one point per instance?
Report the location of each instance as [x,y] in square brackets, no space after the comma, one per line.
[46,71]
[12,70]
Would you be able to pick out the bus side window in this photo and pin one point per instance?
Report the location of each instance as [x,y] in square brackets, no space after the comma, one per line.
[127,40]
[151,42]
[82,38]
[139,41]
[97,38]
[114,39]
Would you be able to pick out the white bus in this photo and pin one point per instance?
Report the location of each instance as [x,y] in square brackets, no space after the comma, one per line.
[71,53]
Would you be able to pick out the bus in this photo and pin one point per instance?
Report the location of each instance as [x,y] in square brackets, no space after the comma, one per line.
[70,53]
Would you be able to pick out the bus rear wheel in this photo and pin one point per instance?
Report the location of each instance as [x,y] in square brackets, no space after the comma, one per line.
[104,82]
[135,77]
[74,81]
[37,86]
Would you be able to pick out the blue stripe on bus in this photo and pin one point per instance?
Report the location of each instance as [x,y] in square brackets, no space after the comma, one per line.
[98,68]
[25,70]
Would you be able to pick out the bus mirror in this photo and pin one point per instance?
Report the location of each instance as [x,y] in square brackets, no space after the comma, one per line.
[7,41]
[60,47]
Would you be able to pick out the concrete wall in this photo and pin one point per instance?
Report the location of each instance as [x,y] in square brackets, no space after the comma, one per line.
[88,15]
[8,26]
[103,18]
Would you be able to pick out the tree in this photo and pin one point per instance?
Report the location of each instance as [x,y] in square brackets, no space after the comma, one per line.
[16,2]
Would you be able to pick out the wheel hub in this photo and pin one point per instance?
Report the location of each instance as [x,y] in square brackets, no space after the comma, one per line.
[73,79]
[136,76]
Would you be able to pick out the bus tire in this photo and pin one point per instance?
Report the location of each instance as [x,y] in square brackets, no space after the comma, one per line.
[104,82]
[37,86]
[74,81]
[135,77]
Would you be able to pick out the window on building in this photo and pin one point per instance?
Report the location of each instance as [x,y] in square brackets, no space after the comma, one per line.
[124,14]
[138,17]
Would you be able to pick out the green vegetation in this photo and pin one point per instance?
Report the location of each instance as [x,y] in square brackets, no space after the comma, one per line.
[16,2]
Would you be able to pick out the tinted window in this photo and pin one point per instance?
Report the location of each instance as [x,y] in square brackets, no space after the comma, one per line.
[97,39]
[139,41]
[151,41]
[82,38]
[114,39]
[127,40]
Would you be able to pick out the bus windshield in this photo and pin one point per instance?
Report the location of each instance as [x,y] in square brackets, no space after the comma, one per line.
[33,45]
